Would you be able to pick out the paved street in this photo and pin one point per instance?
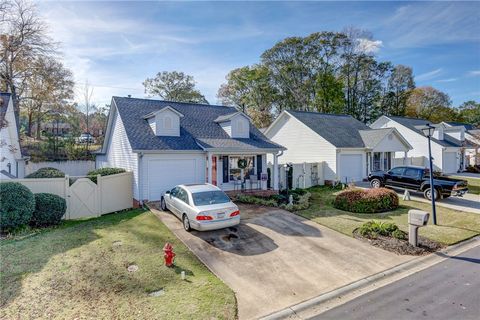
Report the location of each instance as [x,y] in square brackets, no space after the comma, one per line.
[448,290]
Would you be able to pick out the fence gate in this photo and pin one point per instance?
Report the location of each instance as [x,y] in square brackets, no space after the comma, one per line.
[82,198]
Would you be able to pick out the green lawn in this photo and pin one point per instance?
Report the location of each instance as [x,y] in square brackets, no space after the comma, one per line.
[473,184]
[453,226]
[77,272]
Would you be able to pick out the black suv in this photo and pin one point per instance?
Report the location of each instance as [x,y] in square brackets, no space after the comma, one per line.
[418,179]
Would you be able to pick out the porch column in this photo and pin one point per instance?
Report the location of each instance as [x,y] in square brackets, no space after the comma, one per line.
[209,167]
[275,172]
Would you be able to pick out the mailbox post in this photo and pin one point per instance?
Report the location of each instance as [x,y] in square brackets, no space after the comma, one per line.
[416,219]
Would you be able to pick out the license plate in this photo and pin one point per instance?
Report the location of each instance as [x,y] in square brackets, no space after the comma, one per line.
[221,215]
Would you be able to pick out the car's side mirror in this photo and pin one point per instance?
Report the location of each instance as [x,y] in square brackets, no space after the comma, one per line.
[167,192]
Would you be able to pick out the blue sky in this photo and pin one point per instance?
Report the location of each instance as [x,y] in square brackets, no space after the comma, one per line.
[116,45]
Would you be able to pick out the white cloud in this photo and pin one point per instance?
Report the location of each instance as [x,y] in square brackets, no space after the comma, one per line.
[428,75]
[474,73]
[447,80]
[369,46]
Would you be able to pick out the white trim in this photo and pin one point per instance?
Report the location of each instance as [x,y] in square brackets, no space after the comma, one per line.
[154,113]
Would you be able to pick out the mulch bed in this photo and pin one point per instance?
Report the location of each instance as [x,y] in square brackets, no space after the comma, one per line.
[425,246]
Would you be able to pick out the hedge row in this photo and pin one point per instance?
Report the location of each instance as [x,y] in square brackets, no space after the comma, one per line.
[19,207]
[366,201]
[49,172]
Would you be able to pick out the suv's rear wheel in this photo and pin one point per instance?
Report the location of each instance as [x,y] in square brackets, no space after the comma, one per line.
[428,194]
[376,183]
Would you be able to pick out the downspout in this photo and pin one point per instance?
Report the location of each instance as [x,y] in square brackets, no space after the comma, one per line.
[140,174]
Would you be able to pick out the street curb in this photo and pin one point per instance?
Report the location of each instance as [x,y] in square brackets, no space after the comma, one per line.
[293,310]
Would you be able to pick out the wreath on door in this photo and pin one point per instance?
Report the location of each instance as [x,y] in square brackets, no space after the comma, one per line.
[242,163]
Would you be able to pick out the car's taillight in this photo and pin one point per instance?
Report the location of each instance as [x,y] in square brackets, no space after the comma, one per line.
[235,213]
[204,218]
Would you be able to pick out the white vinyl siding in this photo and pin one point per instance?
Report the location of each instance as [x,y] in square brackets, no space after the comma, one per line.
[119,153]
[10,145]
[303,145]
[237,127]
[167,123]
[416,140]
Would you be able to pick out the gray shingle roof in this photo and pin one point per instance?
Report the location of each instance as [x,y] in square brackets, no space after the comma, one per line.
[197,128]
[342,131]
[371,138]
[413,124]
[467,126]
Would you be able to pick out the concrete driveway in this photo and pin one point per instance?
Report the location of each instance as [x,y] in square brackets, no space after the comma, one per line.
[274,258]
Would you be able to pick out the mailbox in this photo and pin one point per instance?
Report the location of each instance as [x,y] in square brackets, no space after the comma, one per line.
[418,218]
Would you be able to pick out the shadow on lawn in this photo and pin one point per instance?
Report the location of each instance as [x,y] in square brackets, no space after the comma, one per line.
[30,255]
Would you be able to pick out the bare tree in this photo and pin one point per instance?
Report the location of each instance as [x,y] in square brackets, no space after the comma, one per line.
[88,106]
[23,38]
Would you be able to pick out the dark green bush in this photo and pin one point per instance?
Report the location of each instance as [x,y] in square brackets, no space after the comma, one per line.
[49,210]
[366,201]
[47,172]
[372,229]
[17,204]
[92,175]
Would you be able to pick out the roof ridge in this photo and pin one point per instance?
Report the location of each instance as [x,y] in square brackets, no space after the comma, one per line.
[178,102]
[320,113]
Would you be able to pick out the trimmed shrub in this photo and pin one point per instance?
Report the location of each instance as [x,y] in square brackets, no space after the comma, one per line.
[366,201]
[17,204]
[49,210]
[302,203]
[372,229]
[256,200]
[92,175]
[46,172]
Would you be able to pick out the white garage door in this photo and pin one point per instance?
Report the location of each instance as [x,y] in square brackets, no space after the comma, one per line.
[351,168]
[450,162]
[163,175]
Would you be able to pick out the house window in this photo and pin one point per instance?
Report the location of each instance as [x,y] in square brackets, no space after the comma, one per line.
[376,161]
[387,161]
[167,123]
[235,171]
[240,126]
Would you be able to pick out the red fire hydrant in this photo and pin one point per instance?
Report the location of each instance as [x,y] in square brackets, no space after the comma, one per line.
[169,254]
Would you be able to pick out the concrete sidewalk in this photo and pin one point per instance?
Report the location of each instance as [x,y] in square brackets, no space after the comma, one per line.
[274,258]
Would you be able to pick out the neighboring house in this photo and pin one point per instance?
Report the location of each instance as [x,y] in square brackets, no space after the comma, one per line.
[348,148]
[12,164]
[448,144]
[472,136]
[54,128]
[168,143]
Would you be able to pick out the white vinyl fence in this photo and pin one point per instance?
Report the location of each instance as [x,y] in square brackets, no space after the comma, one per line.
[86,198]
[304,175]
[70,167]
[411,161]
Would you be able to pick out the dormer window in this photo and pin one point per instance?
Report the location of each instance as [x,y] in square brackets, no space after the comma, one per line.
[165,122]
[236,125]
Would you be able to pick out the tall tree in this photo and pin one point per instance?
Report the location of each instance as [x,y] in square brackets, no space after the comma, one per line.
[425,102]
[400,85]
[174,86]
[48,88]
[23,38]
[250,90]
[469,112]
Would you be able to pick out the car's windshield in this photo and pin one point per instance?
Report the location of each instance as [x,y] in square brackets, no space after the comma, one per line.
[206,198]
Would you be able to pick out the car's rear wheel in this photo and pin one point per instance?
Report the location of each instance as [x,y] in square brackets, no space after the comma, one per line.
[376,183]
[186,223]
[428,194]
[163,204]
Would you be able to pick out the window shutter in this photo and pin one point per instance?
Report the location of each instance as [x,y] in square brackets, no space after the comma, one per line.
[225,169]
[259,166]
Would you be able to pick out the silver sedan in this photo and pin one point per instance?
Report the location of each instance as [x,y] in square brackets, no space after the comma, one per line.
[201,207]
